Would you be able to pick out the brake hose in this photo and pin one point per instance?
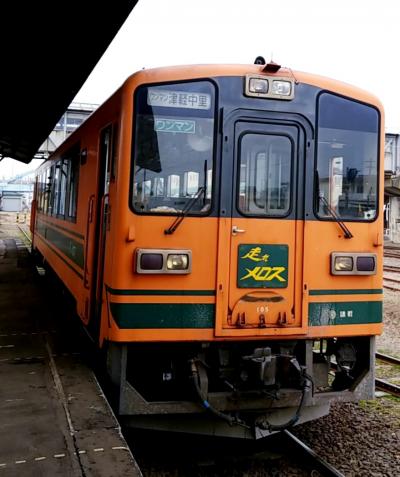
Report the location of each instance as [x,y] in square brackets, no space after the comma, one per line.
[226,417]
[261,425]
[267,426]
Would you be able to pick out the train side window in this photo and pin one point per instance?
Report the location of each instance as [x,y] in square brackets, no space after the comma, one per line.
[50,190]
[41,191]
[64,166]
[40,187]
[46,189]
[72,188]
[114,152]
[108,151]
[347,159]
[56,188]
[71,164]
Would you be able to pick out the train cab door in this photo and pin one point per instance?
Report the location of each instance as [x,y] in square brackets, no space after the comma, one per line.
[102,227]
[259,283]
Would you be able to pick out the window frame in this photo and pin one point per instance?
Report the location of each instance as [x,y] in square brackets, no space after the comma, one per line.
[315,198]
[213,155]
[292,186]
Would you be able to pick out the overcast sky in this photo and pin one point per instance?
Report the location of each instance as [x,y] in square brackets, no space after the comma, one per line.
[356,41]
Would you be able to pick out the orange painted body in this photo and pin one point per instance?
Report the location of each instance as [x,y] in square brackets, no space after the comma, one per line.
[230,296]
[210,239]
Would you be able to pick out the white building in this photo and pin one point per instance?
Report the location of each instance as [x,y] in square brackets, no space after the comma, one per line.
[392,187]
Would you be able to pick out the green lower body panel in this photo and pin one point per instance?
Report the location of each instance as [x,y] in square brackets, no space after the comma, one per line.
[163,315]
[344,313]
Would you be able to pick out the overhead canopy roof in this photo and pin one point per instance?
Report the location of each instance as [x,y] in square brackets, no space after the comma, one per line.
[47,52]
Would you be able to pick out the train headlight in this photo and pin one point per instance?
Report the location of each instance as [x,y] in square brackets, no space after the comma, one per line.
[353,263]
[281,88]
[343,264]
[171,261]
[258,85]
[177,261]
[262,86]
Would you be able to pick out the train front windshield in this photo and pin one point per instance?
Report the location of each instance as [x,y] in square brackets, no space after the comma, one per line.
[347,159]
[174,148]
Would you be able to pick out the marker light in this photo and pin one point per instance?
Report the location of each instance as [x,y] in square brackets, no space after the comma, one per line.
[151,261]
[177,261]
[343,264]
[281,88]
[258,85]
[366,264]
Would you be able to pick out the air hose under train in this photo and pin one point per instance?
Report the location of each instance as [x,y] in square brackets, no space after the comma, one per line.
[305,380]
[231,420]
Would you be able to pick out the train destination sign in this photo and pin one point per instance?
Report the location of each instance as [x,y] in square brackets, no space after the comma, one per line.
[178,99]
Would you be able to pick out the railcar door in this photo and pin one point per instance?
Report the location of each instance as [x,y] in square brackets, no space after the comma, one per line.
[102,218]
[260,272]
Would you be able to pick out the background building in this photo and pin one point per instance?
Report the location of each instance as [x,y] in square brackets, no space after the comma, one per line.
[392,187]
[16,193]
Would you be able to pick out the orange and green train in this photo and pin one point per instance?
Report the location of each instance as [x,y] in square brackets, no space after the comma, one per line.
[220,230]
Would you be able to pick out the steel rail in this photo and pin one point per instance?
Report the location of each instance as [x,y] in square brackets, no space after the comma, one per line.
[391,388]
[319,464]
[387,359]
[391,268]
[391,280]
[24,232]
[391,288]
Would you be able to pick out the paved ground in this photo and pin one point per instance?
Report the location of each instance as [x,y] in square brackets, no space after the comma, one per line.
[54,420]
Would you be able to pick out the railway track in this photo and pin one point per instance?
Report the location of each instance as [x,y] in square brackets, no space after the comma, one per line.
[312,458]
[391,284]
[26,233]
[392,255]
[391,268]
[383,384]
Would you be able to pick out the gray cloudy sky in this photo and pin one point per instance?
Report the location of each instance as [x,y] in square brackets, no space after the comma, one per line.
[356,41]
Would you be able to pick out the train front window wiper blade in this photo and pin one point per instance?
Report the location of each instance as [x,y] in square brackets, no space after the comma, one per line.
[334,215]
[188,207]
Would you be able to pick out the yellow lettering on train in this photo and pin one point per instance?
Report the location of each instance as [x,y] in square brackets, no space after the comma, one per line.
[254,254]
[265,274]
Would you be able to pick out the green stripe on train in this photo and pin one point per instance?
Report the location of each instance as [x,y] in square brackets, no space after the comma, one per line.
[163,315]
[67,245]
[133,292]
[344,313]
[357,291]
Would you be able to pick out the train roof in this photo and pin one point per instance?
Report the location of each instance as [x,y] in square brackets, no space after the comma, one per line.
[182,72]
[189,72]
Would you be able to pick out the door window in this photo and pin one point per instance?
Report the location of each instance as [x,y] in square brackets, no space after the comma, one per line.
[265,175]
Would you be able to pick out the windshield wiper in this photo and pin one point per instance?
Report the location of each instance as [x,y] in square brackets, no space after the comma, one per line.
[188,207]
[346,231]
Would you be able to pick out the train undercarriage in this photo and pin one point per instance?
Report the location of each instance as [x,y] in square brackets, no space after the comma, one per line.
[246,390]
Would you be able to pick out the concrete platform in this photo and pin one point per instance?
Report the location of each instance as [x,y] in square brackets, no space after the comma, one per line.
[54,419]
